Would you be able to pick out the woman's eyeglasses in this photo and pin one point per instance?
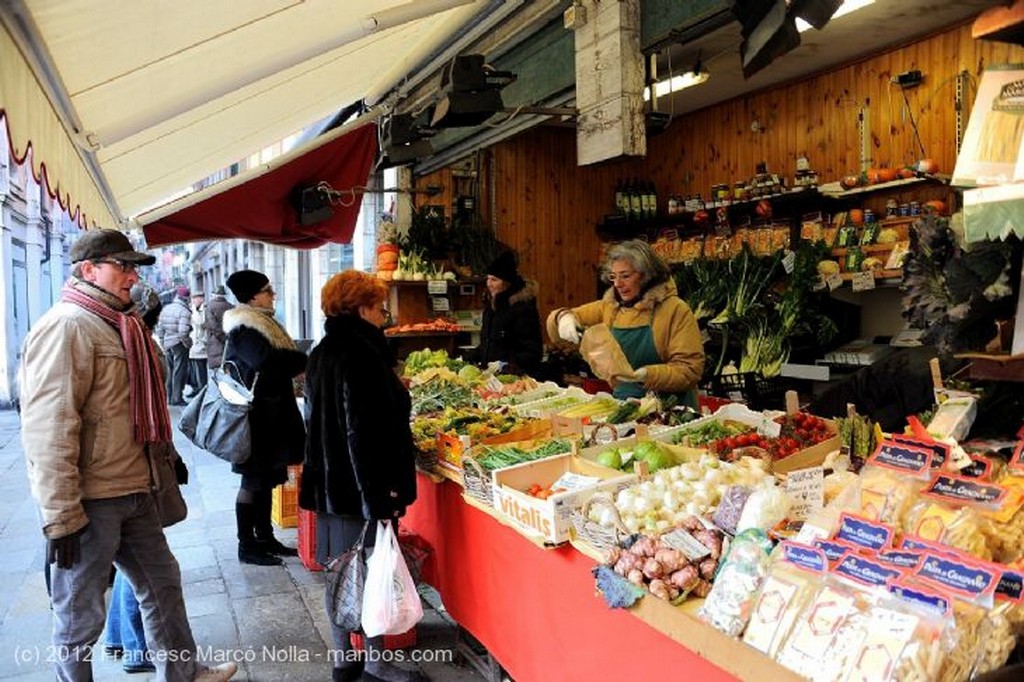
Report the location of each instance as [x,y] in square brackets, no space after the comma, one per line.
[617,276]
[123,266]
[268,290]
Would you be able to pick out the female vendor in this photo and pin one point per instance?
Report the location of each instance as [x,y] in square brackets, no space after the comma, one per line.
[656,330]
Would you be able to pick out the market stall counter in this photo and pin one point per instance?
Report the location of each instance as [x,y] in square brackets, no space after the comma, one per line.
[536,610]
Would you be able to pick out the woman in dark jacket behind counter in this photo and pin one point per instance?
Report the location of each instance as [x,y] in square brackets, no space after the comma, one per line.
[510,331]
[360,464]
[261,351]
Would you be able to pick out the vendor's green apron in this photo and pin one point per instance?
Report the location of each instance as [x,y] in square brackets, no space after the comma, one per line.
[637,345]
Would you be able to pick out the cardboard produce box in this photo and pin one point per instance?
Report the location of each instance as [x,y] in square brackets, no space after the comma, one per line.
[549,519]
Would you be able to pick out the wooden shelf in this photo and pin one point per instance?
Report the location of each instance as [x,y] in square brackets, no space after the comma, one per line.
[867,248]
[879,275]
[834,190]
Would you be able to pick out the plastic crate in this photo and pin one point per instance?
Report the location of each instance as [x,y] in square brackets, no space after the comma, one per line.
[307,540]
[758,392]
[284,501]
[403,641]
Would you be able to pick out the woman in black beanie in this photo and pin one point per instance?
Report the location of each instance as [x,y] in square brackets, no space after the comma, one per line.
[266,359]
[510,331]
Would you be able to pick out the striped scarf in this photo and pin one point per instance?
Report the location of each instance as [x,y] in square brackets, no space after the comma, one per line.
[151,419]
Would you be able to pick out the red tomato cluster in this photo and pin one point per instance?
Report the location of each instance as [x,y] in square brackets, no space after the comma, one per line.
[728,448]
[805,428]
[798,431]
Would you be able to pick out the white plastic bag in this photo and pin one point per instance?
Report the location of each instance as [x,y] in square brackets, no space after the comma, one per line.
[391,604]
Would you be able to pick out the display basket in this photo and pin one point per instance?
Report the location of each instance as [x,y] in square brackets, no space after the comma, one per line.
[593,533]
[426,459]
[477,481]
[758,392]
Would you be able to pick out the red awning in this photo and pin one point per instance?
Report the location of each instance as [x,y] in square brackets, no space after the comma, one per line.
[261,208]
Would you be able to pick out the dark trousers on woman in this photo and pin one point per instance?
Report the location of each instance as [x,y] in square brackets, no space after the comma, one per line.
[335,535]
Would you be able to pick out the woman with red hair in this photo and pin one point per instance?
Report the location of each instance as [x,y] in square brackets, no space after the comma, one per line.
[360,465]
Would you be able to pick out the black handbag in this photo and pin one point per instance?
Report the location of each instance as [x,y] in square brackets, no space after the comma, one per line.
[345,576]
[216,419]
[164,465]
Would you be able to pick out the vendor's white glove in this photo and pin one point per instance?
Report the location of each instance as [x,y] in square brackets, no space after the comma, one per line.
[638,376]
[569,327]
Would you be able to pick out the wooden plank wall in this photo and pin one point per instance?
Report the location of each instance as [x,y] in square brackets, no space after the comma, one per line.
[547,207]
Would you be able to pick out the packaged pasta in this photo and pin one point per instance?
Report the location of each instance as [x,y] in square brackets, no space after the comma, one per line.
[923,654]
[973,584]
[795,576]
[728,606]
[1004,528]
[948,512]
[1005,622]
[889,480]
[828,642]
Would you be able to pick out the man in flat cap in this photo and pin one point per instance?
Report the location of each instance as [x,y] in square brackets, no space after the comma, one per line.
[93,406]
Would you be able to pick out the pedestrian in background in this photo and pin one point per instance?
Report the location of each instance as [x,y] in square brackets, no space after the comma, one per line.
[93,406]
[173,330]
[360,464]
[213,323]
[260,353]
[197,352]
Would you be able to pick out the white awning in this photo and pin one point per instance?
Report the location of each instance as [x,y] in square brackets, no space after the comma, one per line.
[160,95]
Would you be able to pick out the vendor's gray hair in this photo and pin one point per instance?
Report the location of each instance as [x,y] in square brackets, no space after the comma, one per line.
[638,253]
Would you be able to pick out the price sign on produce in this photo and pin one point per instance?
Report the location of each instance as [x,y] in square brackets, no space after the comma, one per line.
[806,491]
[440,304]
[833,281]
[863,281]
[789,262]
[437,286]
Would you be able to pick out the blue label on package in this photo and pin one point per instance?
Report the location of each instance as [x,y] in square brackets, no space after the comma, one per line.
[905,458]
[957,576]
[900,558]
[866,571]
[940,451]
[966,490]
[833,550]
[1011,585]
[805,557]
[864,533]
[930,601]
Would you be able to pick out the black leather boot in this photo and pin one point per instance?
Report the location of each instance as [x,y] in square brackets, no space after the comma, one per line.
[264,531]
[249,550]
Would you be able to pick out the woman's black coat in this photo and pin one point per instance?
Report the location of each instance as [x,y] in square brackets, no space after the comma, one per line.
[511,331]
[258,344]
[360,457]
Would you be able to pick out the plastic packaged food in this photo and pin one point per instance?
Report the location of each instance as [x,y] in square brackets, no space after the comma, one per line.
[728,606]
[767,505]
[730,509]
[796,574]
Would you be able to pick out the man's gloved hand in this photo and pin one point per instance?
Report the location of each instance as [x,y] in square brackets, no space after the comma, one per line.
[65,551]
[569,327]
[638,376]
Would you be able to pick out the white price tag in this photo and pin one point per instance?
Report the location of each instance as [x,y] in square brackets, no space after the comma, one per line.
[440,304]
[819,283]
[863,281]
[437,286]
[806,491]
[789,262]
[833,281]
[693,548]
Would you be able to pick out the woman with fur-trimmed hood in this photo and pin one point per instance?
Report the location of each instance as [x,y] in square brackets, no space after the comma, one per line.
[266,358]
[511,324]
